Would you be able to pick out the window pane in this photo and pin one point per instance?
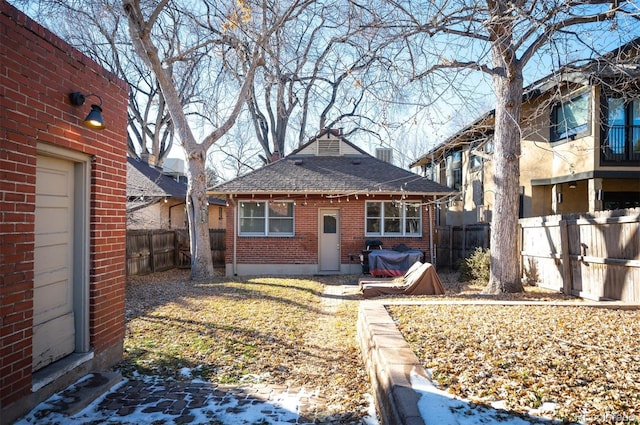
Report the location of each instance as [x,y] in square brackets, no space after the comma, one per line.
[616,133]
[392,225]
[412,221]
[392,217]
[329,224]
[373,209]
[373,225]
[412,210]
[252,218]
[252,225]
[488,148]
[281,226]
[281,209]
[374,214]
[252,209]
[413,226]
[391,210]
[570,118]
[454,178]
[454,170]
[454,160]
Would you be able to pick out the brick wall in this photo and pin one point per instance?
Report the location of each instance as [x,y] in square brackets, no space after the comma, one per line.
[303,247]
[37,72]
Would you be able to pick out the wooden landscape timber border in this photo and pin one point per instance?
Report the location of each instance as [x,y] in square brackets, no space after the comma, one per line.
[591,255]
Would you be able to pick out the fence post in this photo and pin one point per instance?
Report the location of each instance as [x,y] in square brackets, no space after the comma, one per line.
[464,241]
[151,256]
[485,237]
[451,246]
[567,278]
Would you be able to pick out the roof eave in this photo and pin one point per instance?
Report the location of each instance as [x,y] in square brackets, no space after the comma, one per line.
[336,192]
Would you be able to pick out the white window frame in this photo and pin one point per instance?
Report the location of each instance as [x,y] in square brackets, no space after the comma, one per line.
[266,219]
[403,232]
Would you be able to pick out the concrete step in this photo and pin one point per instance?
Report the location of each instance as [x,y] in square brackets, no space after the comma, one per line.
[79,395]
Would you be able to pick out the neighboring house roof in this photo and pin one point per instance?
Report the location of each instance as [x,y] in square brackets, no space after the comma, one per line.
[308,171]
[147,185]
[149,182]
[620,61]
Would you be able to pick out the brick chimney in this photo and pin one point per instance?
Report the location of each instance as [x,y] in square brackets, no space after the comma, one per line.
[149,158]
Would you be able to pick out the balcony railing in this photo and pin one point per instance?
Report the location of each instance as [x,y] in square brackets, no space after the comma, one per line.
[621,144]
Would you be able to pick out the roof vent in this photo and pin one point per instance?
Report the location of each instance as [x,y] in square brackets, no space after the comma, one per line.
[356,161]
[328,147]
[297,162]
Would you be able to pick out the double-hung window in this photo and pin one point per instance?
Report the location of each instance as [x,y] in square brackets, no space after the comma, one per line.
[393,218]
[258,218]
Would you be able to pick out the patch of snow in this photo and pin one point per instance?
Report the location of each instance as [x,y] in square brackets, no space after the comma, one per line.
[283,409]
[440,407]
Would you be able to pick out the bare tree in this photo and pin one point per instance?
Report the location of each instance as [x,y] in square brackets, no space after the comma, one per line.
[236,153]
[321,70]
[103,37]
[498,38]
[170,35]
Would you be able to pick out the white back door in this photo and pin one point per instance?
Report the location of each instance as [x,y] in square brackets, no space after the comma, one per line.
[329,241]
[53,316]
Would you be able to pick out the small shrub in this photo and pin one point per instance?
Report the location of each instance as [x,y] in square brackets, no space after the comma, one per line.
[475,268]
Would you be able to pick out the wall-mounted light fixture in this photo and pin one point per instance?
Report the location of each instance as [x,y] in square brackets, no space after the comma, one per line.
[559,197]
[94,120]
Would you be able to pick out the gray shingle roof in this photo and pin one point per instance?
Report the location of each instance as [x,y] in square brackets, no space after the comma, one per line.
[349,174]
[143,180]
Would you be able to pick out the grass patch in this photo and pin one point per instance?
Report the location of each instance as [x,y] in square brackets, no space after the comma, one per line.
[223,331]
[270,330]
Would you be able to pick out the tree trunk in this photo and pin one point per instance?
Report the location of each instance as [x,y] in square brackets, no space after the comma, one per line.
[198,217]
[505,269]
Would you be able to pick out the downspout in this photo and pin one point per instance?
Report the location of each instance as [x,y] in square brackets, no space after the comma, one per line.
[431,245]
[234,262]
[432,206]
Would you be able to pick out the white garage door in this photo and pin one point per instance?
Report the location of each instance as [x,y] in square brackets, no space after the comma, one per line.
[53,333]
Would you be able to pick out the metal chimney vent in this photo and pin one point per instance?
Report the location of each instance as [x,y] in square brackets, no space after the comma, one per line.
[384,154]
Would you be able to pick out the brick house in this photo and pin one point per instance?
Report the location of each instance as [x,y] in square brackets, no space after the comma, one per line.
[63,223]
[313,210]
[580,146]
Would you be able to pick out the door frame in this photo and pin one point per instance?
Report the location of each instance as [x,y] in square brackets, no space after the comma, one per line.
[321,212]
[81,238]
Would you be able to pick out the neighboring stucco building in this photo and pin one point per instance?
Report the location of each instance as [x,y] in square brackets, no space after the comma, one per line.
[313,211]
[580,146]
[62,216]
[156,199]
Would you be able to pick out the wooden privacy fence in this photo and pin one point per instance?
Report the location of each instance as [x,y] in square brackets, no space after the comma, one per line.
[454,243]
[591,255]
[150,251]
